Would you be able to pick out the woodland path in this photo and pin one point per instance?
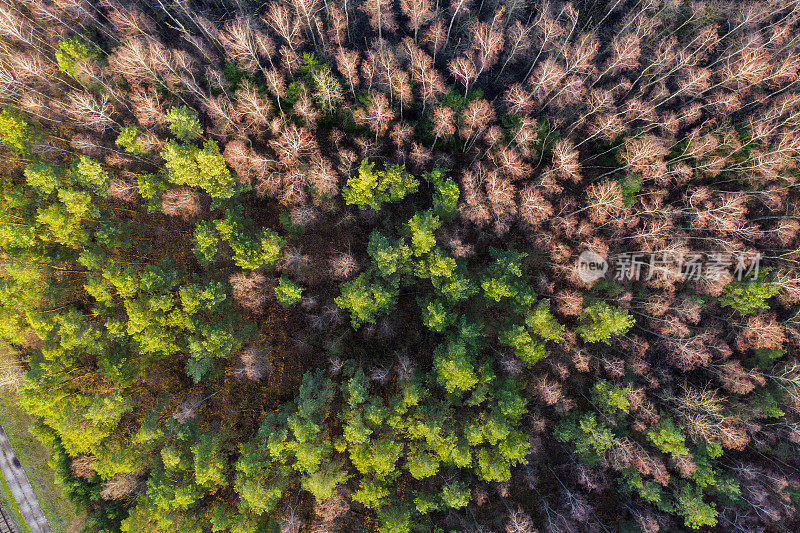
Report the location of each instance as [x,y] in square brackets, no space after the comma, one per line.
[20,487]
[5,525]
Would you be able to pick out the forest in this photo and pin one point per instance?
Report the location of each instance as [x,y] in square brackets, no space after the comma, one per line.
[321,265]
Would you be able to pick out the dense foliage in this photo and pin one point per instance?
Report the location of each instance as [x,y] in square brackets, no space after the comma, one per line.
[302,265]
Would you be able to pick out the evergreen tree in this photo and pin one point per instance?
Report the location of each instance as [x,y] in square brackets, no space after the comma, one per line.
[599,322]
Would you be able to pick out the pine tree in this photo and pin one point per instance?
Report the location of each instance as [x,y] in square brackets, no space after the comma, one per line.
[184,123]
[599,322]
[370,188]
[15,132]
[367,298]
[287,293]
[748,297]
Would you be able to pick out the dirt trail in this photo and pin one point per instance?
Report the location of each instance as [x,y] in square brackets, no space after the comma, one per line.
[20,487]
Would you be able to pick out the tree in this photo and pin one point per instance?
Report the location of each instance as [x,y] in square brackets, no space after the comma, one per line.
[182,202]
[90,175]
[394,519]
[328,91]
[599,322]
[543,323]
[390,258]
[526,348]
[455,366]
[184,123]
[371,494]
[456,287]
[367,298]
[210,459]
[204,168]
[456,495]
[422,464]
[260,480]
[15,132]
[70,52]
[696,512]
[668,438]
[287,293]
[435,316]
[590,437]
[370,188]
[323,483]
[748,297]
[445,194]
[43,177]
[378,114]
[206,242]
[436,266]
[610,398]
[421,226]
[128,139]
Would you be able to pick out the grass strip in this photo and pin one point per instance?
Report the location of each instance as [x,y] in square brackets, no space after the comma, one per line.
[20,521]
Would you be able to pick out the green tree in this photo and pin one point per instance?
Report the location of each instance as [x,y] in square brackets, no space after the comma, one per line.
[250,250]
[526,348]
[17,135]
[206,242]
[696,513]
[667,437]
[445,193]
[421,226]
[271,246]
[62,221]
[43,177]
[371,494]
[210,458]
[590,437]
[322,483]
[436,265]
[455,366]
[205,168]
[128,139]
[70,52]
[456,495]
[366,298]
[599,322]
[503,280]
[184,123]
[287,293]
[82,421]
[389,257]
[90,174]
[455,288]
[151,187]
[543,323]
[422,464]
[394,519]
[610,398]
[260,478]
[435,315]
[749,296]
[370,188]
